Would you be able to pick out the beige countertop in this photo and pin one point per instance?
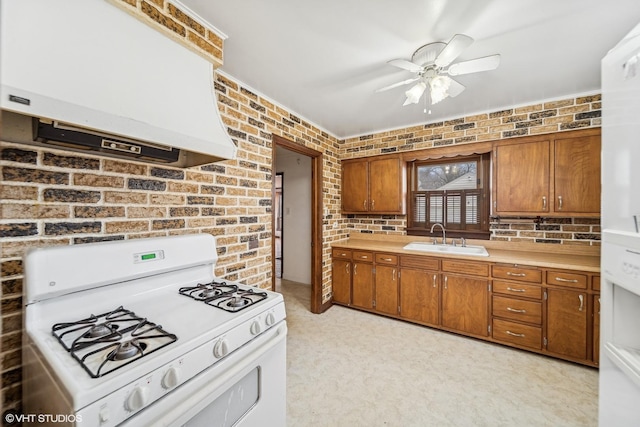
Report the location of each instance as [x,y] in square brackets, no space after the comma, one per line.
[572,257]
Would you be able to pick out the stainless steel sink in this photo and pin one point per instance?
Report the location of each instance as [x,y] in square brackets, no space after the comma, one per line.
[447,249]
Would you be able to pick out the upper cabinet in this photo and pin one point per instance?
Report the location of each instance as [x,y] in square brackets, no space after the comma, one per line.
[551,175]
[374,185]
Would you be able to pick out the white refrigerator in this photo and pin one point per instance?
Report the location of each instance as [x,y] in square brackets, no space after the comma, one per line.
[619,380]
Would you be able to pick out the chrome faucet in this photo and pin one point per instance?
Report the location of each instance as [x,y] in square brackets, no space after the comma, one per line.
[444,233]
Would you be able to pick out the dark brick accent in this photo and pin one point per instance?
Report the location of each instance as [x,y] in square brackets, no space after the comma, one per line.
[464,126]
[17,155]
[548,241]
[34,176]
[212,189]
[543,114]
[575,125]
[18,230]
[454,122]
[248,183]
[214,168]
[389,150]
[288,122]
[248,165]
[248,219]
[82,240]
[248,93]
[434,125]
[72,196]
[167,173]
[443,142]
[254,105]
[365,137]
[589,115]
[184,211]
[213,211]
[146,184]
[519,132]
[58,228]
[583,236]
[256,123]
[522,125]
[72,162]
[237,134]
[465,139]
[501,113]
[198,200]
[264,202]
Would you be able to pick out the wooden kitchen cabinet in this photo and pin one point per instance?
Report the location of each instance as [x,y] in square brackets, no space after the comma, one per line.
[386,286]
[420,290]
[362,281]
[341,281]
[522,173]
[555,175]
[567,322]
[374,185]
[465,304]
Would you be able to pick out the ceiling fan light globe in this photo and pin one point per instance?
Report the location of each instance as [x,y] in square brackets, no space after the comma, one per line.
[414,94]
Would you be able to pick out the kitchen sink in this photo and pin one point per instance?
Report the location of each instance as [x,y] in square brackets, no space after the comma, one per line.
[447,249]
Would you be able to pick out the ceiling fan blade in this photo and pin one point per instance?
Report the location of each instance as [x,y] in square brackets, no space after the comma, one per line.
[455,88]
[405,65]
[475,65]
[402,83]
[453,49]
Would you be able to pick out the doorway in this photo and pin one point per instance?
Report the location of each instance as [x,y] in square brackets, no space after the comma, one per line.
[278,206]
[314,228]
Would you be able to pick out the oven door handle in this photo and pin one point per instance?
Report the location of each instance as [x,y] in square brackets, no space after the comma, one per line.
[184,408]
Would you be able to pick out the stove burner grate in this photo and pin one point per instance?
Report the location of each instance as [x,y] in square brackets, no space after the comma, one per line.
[224,296]
[203,292]
[109,341]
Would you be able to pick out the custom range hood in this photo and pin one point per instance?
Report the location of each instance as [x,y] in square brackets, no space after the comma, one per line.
[86,75]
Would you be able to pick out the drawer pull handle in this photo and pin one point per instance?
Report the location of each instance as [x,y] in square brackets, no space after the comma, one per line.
[364,256]
[355,268]
[387,259]
[516,274]
[513,334]
[343,254]
[434,280]
[515,310]
[515,290]
[560,279]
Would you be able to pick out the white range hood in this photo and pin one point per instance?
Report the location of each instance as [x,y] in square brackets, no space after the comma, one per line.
[130,90]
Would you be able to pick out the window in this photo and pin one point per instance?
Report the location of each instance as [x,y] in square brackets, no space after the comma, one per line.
[453,192]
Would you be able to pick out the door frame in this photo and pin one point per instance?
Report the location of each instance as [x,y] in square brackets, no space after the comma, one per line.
[316,216]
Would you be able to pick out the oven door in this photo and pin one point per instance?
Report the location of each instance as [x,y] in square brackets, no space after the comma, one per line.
[247,388]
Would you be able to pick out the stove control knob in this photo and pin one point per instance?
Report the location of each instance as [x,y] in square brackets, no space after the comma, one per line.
[255,327]
[270,320]
[221,348]
[171,378]
[137,399]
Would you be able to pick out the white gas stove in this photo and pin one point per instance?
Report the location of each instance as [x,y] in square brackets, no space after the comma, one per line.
[140,332]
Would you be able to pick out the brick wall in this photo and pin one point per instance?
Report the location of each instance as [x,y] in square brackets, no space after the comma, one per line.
[548,117]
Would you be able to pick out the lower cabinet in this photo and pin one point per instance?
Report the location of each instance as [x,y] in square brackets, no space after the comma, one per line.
[362,285]
[465,304]
[420,296]
[544,310]
[567,323]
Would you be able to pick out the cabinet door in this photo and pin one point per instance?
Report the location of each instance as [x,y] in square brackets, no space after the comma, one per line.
[465,304]
[522,177]
[362,285]
[386,289]
[355,186]
[577,174]
[385,186]
[341,281]
[420,296]
[567,323]
[596,329]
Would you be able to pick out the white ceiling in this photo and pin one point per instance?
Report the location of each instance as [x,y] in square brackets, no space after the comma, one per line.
[323,59]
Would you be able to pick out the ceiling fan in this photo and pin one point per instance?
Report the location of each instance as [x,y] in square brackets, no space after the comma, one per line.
[433,65]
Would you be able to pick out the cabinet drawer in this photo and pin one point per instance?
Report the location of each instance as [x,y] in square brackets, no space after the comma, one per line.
[465,267]
[596,283]
[341,253]
[514,272]
[563,278]
[363,256]
[515,333]
[517,309]
[422,262]
[517,289]
[387,259]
